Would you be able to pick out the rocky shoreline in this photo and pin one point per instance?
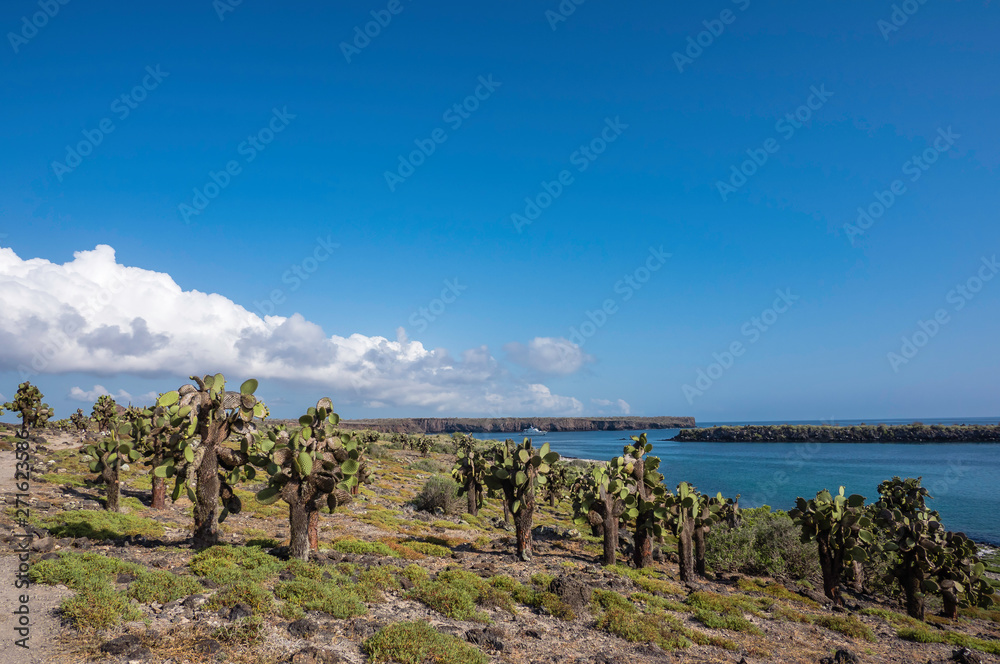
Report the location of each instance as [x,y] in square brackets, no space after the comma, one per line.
[863,433]
[514,425]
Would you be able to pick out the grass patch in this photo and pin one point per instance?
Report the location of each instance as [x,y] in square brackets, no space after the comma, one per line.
[250,593]
[81,571]
[417,643]
[846,625]
[734,622]
[428,549]
[99,609]
[162,586]
[62,479]
[331,596]
[636,627]
[229,564]
[360,547]
[646,579]
[246,632]
[100,525]
[775,590]
[924,635]
[727,604]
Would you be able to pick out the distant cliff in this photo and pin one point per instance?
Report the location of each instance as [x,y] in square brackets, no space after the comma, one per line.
[864,433]
[517,424]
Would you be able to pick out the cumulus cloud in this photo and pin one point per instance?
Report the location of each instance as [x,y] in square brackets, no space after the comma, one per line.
[122,397]
[94,316]
[617,407]
[548,355]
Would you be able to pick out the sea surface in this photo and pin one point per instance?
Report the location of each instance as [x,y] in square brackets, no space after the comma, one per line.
[963,478]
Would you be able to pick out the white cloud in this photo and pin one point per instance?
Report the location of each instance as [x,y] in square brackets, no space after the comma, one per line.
[548,355]
[121,397]
[92,315]
[620,406]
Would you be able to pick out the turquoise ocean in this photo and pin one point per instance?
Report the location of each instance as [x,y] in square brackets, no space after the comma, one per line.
[963,478]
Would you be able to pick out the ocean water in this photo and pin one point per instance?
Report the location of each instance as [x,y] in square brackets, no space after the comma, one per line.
[963,478]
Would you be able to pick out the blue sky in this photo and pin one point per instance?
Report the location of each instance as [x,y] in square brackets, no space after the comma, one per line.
[439,289]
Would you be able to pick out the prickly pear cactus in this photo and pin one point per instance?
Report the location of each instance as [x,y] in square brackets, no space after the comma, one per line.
[469,472]
[28,404]
[105,411]
[308,468]
[600,497]
[646,501]
[926,558]
[842,531]
[110,456]
[515,471]
[79,420]
[194,454]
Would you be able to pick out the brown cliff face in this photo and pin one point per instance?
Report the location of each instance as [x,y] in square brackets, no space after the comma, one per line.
[517,424]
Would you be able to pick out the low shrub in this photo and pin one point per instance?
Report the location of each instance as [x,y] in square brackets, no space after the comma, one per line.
[228,564]
[162,586]
[361,547]
[246,632]
[99,609]
[417,643]
[847,625]
[429,549]
[100,525]
[439,491]
[765,543]
[243,592]
[332,596]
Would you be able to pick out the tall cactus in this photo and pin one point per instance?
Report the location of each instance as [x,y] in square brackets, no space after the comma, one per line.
[108,456]
[711,510]
[561,478]
[469,471]
[683,512]
[515,471]
[79,421]
[842,531]
[925,557]
[309,467]
[28,404]
[603,492]
[105,411]
[645,503]
[197,456]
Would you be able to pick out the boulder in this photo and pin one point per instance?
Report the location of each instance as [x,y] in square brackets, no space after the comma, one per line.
[572,590]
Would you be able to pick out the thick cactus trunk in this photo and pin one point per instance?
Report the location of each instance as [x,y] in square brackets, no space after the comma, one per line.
[832,569]
[206,507]
[699,551]
[552,500]
[314,530]
[300,522]
[110,477]
[159,493]
[950,598]
[912,589]
[506,512]
[472,502]
[522,525]
[684,550]
[642,556]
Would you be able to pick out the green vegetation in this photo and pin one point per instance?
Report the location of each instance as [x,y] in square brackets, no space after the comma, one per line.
[361,547]
[228,564]
[162,586]
[785,433]
[458,593]
[418,643]
[439,492]
[428,549]
[331,596]
[765,543]
[100,525]
[28,404]
[99,609]
[259,599]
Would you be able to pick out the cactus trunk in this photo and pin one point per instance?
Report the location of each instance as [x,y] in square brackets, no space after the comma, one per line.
[206,508]
[111,479]
[314,530]
[684,553]
[506,512]
[522,525]
[912,583]
[299,520]
[642,556]
[699,550]
[610,528]
[159,493]
[472,504]
[950,598]
[832,569]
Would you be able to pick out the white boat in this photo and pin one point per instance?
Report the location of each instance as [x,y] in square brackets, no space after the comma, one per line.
[533,431]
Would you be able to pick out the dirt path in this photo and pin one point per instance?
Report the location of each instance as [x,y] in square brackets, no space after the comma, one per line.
[45,624]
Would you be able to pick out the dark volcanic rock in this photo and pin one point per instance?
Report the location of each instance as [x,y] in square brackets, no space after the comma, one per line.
[484,638]
[312,655]
[121,645]
[207,646]
[302,628]
[572,590]
[841,657]
[240,611]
